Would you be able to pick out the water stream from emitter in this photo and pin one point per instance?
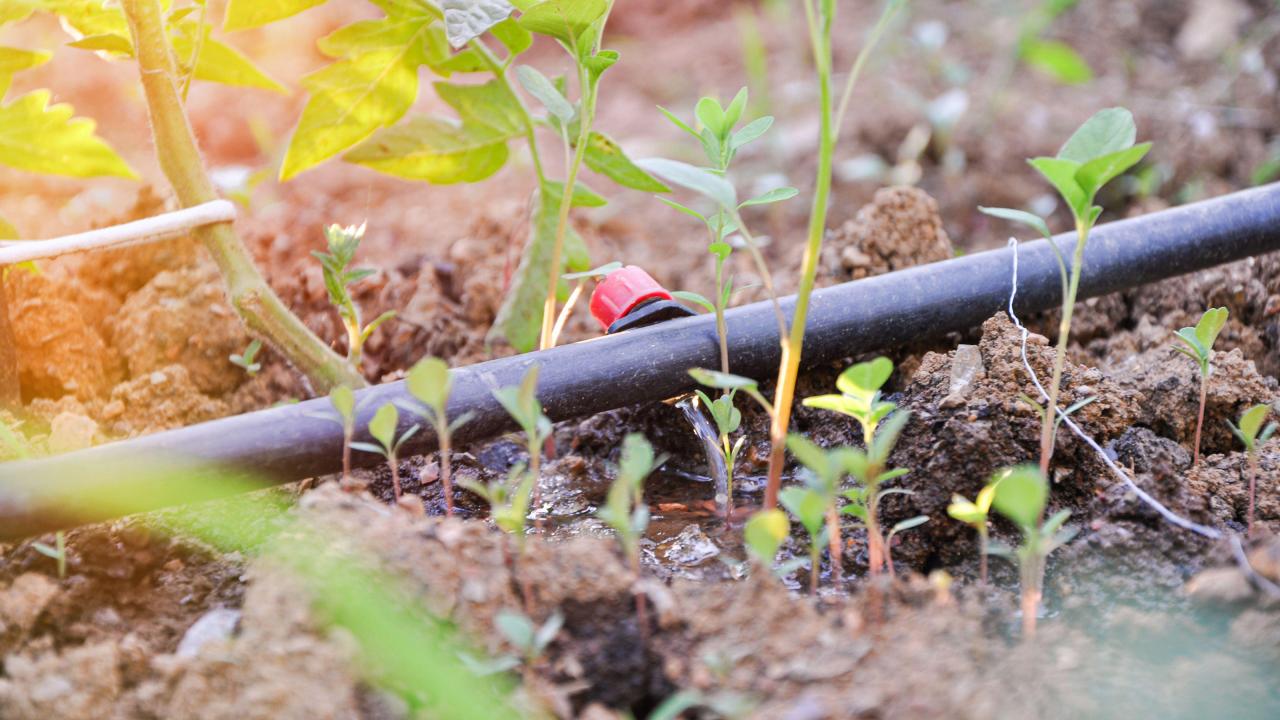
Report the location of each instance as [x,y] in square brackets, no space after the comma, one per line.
[703,428]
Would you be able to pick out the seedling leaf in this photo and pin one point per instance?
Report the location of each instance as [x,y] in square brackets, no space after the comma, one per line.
[865,379]
[751,131]
[1058,60]
[38,137]
[1021,495]
[429,381]
[1108,131]
[1096,173]
[383,425]
[694,298]
[701,181]
[244,14]
[765,532]
[606,157]
[563,20]
[542,89]
[1062,175]
[491,104]
[1032,220]
[722,380]
[773,196]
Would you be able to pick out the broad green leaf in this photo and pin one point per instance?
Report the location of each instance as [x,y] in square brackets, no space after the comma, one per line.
[344,401]
[466,20]
[467,61]
[1058,60]
[701,181]
[43,138]
[1031,220]
[694,298]
[429,382]
[1251,422]
[563,20]
[537,85]
[13,60]
[1210,325]
[1096,173]
[773,196]
[490,104]
[637,462]
[217,61]
[866,378]
[383,425]
[606,157]
[765,532]
[733,113]
[808,506]
[434,150]
[598,63]
[583,196]
[84,18]
[513,37]
[354,97]
[1021,495]
[751,131]
[519,319]
[1062,175]
[111,45]
[722,380]
[711,116]
[813,457]
[244,14]
[1108,131]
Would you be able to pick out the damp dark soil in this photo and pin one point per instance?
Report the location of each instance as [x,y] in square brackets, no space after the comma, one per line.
[1141,618]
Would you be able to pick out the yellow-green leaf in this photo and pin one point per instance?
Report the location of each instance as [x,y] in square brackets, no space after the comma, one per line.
[85,18]
[490,104]
[243,14]
[13,60]
[16,10]
[563,20]
[434,150]
[354,97]
[39,137]
[217,61]
[607,158]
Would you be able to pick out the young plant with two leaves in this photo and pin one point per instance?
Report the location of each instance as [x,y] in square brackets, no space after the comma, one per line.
[339,276]
[976,513]
[1102,149]
[429,381]
[1253,436]
[728,418]
[860,398]
[1021,496]
[359,108]
[624,510]
[1199,342]
[384,427]
[173,45]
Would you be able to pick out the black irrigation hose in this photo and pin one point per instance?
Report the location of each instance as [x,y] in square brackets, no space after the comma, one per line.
[292,442]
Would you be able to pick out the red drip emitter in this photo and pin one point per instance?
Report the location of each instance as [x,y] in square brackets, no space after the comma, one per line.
[629,297]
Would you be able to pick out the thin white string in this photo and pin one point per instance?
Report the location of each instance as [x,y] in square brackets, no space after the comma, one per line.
[1168,514]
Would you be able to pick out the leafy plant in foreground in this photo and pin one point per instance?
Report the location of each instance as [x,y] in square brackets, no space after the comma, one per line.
[977,514]
[812,504]
[1253,436]
[430,381]
[247,360]
[860,398]
[1199,342]
[339,276]
[1101,150]
[383,428]
[1021,495]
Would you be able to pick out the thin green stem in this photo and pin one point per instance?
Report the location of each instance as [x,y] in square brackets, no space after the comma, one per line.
[446,461]
[259,307]
[722,330]
[1049,422]
[856,70]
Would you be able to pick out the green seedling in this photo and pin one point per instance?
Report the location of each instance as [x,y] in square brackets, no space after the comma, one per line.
[1253,436]
[764,533]
[383,428]
[1043,412]
[1101,150]
[728,418]
[528,639]
[624,510]
[1199,342]
[248,360]
[343,400]
[511,502]
[580,280]
[811,505]
[58,552]
[977,514]
[860,398]
[716,130]
[430,381]
[1021,495]
[339,276]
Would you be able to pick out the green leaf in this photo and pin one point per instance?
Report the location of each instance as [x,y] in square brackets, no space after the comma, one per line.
[1198,350]
[13,60]
[1093,175]
[1251,422]
[1210,325]
[383,425]
[908,524]
[434,150]
[343,400]
[701,181]
[563,20]
[1108,131]
[513,37]
[1062,175]
[519,319]
[677,121]
[637,462]
[733,113]
[764,534]
[965,511]
[808,506]
[711,116]
[606,157]
[369,90]
[1058,60]
[429,381]
[1021,495]
[598,272]
[1032,220]
[217,61]
[694,298]
[722,380]
[542,89]
[244,14]
[43,138]
[887,436]
[773,196]
[490,104]
[751,131]
[516,628]
[598,63]
[466,20]
[865,379]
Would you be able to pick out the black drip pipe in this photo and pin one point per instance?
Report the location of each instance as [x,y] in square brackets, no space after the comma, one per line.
[647,364]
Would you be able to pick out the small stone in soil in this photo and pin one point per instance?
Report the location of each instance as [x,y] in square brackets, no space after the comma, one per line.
[217,624]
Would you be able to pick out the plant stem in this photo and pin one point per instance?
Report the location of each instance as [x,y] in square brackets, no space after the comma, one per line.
[1253,482]
[566,203]
[60,543]
[10,390]
[1048,424]
[446,461]
[1032,592]
[834,545]
[395,474]
[259,308]
[348,433]
[1204,391]
[792,347]
[982,554]
[722,330]
[813,568]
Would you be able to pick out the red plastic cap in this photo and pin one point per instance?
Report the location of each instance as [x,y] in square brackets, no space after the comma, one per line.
[621,291]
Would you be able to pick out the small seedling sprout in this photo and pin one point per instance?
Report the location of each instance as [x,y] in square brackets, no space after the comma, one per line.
[727,416]
[430,381]
[1199,342]
[248,359]
[510,503]
[624,510]
[810,505]
[1101,150]
[338,279]
[977,514]
[1253,436]
[530,640]
[1021,496]
[860,398]
[383,428]
[58,552]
